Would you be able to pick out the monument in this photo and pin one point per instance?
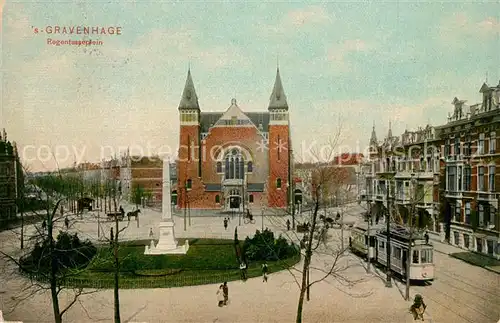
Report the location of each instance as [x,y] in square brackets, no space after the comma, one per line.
[166,243]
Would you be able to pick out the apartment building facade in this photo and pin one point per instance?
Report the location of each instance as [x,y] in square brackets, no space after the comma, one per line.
[471,182]
[446,175]
[10,179]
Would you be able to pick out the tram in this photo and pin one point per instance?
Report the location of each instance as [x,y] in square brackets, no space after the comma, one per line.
[363,241]
[421,265]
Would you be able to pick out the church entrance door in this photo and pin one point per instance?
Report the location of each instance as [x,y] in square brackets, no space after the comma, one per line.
[233,200]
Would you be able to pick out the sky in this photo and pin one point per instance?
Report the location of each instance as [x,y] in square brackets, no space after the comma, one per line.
[343,64]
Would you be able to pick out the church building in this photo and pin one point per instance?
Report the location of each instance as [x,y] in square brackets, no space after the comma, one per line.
[233,160]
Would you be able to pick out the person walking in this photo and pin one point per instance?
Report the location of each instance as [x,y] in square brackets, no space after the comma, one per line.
[111,236]
[288,225]
[243,271]
[225,223]
[426,236]
[44,225]
[264,272]
[220,296]
[225,292]
[66,223]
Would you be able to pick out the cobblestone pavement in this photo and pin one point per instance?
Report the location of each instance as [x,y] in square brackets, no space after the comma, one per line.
[252,301]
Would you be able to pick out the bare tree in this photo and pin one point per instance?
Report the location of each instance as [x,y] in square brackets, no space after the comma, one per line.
[52,269]
[324,182]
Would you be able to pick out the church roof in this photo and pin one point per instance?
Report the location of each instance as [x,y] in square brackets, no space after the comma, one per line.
[209,119]
[234,116]
[189,99]
[373,138]
[278,97]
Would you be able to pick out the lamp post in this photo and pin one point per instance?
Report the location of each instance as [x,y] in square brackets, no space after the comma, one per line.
[388,282]
[410,243]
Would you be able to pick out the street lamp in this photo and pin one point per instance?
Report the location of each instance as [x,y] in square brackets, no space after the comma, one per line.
[410,243]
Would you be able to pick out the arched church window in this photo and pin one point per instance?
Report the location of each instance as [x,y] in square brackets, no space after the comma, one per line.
[226,174]
[249,167]
[219,167]
[278,183]
[231,168]
[237,168]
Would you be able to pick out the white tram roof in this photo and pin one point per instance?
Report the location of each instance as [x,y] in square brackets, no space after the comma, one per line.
[363,227]
[403,234]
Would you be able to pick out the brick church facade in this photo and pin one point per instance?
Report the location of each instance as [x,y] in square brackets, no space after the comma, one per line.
[233,160]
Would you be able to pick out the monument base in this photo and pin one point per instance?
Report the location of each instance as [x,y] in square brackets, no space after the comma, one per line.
[167,243]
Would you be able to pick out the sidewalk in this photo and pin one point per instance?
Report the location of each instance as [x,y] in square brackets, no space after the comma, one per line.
[448,249]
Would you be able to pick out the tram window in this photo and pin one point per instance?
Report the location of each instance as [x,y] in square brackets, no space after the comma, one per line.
[366,240]
[415,256]
[381,245]
[426,256]
[397,252]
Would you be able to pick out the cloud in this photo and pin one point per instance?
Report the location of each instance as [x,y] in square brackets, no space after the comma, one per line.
[17,24]
[338,52]
[460,26]
[297,19]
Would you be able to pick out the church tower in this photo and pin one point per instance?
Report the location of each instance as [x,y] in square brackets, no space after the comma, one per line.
[279,146]
[373,147]
[188,168]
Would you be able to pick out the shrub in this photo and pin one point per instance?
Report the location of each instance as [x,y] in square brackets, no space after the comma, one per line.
[264,247]
[69,251]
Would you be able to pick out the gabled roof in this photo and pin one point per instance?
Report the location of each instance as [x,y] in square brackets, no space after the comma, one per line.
[484,88]
[208,119]
[234,116]
[278,97]
[189,99]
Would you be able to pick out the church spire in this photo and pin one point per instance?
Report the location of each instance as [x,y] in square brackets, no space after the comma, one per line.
[189,99]
[373,138]
[278,97]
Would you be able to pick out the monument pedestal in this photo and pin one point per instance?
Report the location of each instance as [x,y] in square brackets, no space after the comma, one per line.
[167,243]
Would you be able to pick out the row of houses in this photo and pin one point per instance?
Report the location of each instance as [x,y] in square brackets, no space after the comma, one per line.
[446,176]
[10,179]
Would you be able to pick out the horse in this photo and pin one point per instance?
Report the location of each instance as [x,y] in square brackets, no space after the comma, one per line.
[133,214]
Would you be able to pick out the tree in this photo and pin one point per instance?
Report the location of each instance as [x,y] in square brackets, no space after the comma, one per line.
[137,195]
[53,268]
[323,181]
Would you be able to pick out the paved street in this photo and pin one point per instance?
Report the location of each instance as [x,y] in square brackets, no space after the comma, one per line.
[461,293]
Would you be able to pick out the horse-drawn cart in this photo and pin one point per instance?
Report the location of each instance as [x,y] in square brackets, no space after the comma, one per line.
[112,215]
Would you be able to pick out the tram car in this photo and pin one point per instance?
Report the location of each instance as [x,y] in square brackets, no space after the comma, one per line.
[421,265]
[363,241]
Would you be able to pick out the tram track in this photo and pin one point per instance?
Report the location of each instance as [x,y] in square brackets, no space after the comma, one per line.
[473,287]
[476,285]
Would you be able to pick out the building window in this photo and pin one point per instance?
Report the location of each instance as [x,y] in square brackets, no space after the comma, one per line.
[480,145]
[234,120]
[481,215]
[447,148]
[217,198]
[249,167]
[219,167]
[466,241]
[458,212]
[381,245]
[468,146]
[250,198]
[452,185]
[491,178]
[226,170]
[467,178]
[459,173]
[489,245]
[480,178]
[278,183]
[415,256]
[456,238]
[467,212]
[189,184]
[493,142]
[479,245]
[457,145]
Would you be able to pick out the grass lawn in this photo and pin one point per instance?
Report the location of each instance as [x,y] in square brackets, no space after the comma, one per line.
[476,259]
[208,261]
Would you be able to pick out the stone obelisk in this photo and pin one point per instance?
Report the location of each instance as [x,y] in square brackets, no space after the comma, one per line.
[166,243]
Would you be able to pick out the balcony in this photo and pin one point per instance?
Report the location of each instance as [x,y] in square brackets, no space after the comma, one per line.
[454,194]
[490,197]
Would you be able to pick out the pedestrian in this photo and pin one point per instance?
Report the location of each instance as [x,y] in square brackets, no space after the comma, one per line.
[426,236]
[243,268]
[66,223]
[44,224]
[288,225]
[151,232]
[220,296]
[264,272]
[225,292]
[225,224]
